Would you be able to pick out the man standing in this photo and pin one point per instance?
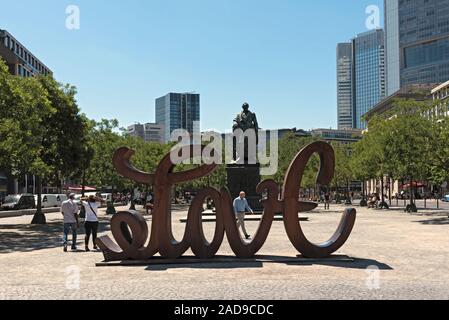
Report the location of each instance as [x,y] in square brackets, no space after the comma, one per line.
[241,206]
[69,210]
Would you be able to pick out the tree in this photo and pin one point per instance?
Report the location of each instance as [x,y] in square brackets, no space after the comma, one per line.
[64,138]
[408,144]
[396,145]
[439,157]
[343,173]
[24,106]
[105,139]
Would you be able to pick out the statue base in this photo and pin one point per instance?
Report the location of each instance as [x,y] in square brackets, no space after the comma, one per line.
[245,177]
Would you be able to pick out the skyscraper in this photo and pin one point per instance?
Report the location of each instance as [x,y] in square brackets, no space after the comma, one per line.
[361,82]
[417,42]
[178,111]
[344,86]
[369,73]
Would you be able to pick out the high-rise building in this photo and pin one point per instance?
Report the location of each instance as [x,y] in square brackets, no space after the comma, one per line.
[22,63]
[361,80]
[149,132]
[178,111]
[369,73]
[417,42]
[19,59]
[344,86]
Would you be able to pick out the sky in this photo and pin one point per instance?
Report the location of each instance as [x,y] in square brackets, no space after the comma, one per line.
[279,56]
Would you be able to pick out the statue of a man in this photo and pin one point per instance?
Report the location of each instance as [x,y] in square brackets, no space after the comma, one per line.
[245,120]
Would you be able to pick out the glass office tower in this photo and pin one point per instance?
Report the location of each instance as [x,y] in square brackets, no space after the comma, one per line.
[344,86]
[178,111]
[369,73]
[417,35]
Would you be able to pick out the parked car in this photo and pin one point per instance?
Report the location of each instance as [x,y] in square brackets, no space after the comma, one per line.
[446,198]
[51,200]
[107,197]
[18,202]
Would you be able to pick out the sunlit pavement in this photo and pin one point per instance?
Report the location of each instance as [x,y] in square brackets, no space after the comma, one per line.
[397,256]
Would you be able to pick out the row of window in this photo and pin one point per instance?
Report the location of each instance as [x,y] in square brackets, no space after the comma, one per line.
[25,55]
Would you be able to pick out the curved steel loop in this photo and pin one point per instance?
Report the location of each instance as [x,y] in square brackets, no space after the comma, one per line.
[164,180]
[198,242]
[272,205]
[292,206]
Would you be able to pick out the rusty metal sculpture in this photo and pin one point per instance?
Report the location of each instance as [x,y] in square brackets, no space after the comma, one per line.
[130,229]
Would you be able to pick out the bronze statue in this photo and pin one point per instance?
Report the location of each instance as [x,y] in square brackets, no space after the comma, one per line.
[246,120]
[135,244]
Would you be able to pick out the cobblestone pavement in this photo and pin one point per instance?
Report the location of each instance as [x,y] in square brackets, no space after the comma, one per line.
[397,256]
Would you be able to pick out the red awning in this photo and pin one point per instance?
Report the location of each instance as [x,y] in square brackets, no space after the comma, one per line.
[415,184]
[80,188]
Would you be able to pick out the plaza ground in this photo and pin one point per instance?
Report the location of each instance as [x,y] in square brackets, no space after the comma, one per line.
[396,256]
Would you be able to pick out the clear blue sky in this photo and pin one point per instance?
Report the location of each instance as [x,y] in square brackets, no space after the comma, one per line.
[277,55]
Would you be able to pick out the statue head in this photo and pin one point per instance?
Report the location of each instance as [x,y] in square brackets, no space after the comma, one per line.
[245,107]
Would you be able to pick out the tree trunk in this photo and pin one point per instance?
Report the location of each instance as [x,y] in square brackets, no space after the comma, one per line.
[39,217]
[389,189]
[83,184]
[382,189]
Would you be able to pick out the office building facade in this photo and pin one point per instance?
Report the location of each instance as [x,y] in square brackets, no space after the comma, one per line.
[178,111]
[149,132]
[417,42]
[20,61]
[361,79]
[345,86]
[369,73]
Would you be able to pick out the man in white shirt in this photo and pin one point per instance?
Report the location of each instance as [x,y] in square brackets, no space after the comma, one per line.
[241,206]
[69,210]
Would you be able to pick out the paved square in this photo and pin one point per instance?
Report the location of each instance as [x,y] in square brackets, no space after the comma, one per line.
[397,256]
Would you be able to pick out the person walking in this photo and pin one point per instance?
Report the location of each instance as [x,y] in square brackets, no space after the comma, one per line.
[69,211]
[91,205]
[241,206]
[327,201]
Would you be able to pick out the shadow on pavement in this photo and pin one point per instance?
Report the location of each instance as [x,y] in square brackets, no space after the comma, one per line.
[28,237]
[223,265]
[434,222]
[356,264]
[259,261]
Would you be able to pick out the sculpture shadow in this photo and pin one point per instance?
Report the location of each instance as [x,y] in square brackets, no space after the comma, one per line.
[215,265]
[28,237]
[259,261]
[434,222]
[358,263]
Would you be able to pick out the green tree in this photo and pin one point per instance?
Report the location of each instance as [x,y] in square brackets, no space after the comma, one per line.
[343,171]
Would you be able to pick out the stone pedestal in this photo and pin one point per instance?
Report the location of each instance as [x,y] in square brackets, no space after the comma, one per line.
[245,177]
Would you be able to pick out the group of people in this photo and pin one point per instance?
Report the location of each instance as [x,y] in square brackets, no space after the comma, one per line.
[70,211]
[71,214]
